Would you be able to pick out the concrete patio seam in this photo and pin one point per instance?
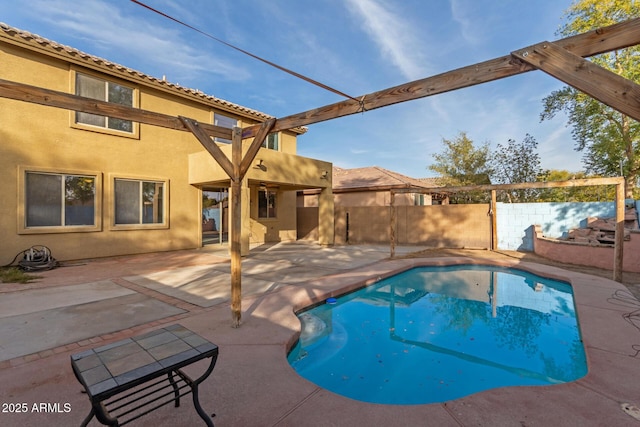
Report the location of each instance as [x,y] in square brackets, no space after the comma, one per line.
[297,406]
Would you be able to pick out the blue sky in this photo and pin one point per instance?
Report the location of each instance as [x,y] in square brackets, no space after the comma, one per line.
[355,46]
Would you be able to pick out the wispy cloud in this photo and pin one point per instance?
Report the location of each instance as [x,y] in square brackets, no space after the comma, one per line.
[465,15]
[108,28]
[392,35]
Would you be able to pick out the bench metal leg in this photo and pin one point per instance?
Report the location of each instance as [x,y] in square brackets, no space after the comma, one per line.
[88,418]
[176,390]
[199,410]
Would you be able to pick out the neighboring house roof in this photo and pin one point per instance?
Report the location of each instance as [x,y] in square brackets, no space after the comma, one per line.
[40,44]
[376,178]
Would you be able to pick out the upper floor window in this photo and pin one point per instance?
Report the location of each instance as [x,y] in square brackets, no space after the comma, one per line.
[96,88]
[60,200]
[225,122]
[271,142]
[139,202]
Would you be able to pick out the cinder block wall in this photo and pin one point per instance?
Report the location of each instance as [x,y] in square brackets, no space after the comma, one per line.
[515,220]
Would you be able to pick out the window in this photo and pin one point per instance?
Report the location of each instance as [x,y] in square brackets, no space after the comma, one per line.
[266,204]
[225,122]
[95,88]
[271,142]
[139,202]
[59,200]
[418,200]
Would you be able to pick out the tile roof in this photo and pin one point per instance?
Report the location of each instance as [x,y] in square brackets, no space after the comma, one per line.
[35,42]
[375,177]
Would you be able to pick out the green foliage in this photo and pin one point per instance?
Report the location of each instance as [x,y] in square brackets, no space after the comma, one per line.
[510,164]
[15,275]
[207,202]
[516,163]
[461,163]
[609,139]
[575,194]
[79,189]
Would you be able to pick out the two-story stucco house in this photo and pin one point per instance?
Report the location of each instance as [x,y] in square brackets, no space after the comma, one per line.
[90,186]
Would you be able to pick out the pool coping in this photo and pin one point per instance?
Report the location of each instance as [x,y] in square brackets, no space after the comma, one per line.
[603,329]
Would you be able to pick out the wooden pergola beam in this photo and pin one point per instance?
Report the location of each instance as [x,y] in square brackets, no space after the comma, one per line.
[67,101]
[605,86]
[518,186]
[594,42]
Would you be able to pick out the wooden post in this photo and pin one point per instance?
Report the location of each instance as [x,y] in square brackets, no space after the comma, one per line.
[392,224]
[236,168]
[618,251]
[235,231]
[494,221]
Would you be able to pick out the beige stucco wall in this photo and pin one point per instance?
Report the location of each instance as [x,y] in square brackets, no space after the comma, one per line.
[40,138]
[450,226]
[279,229]
[373,198]
[307,223]
[280,168]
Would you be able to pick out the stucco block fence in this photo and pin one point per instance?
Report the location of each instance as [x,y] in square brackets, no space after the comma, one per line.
[526,227]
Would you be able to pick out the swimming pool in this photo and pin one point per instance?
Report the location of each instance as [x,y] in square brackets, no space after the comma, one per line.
[433,334]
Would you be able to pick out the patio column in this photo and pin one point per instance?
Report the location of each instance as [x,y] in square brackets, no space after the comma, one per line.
[326,228]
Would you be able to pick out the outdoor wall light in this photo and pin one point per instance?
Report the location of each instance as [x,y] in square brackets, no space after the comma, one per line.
[260,165]
[324,175]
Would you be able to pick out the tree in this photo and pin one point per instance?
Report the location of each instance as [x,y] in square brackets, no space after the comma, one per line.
[517,162]
[609,139]
[208,202]
[461,163]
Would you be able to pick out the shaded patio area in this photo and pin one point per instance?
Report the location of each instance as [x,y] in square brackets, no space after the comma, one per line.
[92,303]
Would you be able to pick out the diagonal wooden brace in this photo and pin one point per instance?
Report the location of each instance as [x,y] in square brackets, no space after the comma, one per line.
[605,86]
[209,145]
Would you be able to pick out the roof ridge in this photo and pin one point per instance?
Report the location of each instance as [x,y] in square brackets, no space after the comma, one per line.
[396,175]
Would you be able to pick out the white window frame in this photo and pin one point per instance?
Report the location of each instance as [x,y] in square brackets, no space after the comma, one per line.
[23,228]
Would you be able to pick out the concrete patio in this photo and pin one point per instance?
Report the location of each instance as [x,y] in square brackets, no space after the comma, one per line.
[92,303]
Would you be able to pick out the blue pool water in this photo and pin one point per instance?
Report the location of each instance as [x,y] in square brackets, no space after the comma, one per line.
[433,334]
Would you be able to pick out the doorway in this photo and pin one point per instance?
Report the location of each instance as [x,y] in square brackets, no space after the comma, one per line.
[215,216]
